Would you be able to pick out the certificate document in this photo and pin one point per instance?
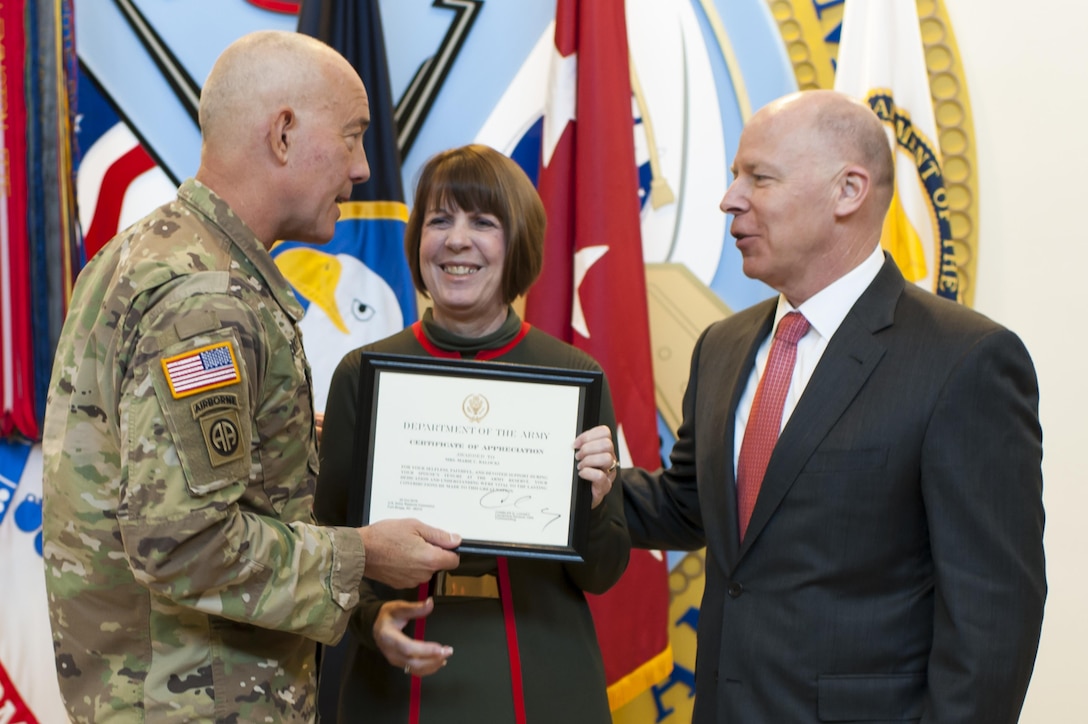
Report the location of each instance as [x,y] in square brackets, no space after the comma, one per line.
[480,449]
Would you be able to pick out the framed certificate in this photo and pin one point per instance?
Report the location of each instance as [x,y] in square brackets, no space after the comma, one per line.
[482,449]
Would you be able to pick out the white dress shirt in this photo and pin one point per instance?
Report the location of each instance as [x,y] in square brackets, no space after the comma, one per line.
[824,311]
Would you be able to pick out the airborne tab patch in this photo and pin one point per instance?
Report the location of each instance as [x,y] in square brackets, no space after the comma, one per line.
[201,369]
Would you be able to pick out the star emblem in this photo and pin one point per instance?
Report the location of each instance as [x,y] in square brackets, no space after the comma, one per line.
[561,105]
[584,259]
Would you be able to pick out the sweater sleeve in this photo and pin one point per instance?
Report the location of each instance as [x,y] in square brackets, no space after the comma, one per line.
[608,542]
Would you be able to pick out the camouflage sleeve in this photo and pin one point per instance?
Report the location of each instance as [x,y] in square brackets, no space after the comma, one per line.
[201,524]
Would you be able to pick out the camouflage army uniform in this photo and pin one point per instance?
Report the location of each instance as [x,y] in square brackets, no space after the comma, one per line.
[186,578]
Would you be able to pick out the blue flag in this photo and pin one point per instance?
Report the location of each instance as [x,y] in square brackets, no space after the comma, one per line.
[358,286]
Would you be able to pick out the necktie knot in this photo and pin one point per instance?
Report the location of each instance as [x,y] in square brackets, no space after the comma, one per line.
[792,328]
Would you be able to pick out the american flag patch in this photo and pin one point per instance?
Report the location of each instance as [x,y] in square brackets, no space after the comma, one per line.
[202,369]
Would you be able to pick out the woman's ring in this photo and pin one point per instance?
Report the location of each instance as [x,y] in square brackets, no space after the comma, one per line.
[615,464]
[408,668]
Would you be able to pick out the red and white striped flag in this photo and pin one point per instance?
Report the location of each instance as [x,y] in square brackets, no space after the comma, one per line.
[592,293]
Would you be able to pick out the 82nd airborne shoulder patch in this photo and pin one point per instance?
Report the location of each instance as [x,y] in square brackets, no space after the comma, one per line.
[221,426]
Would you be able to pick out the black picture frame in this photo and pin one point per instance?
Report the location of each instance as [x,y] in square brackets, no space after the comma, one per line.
[371,430]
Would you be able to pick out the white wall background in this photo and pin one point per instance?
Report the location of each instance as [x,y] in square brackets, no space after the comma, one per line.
[1027,77]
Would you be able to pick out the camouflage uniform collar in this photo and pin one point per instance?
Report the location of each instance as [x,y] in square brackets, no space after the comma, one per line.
[205,202]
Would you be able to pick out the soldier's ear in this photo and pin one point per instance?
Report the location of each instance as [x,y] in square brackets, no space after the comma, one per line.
[280,135]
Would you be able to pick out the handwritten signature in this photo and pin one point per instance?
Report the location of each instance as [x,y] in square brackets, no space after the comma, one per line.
[508,500]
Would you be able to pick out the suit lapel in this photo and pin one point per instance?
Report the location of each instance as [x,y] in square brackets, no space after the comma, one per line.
[850,358]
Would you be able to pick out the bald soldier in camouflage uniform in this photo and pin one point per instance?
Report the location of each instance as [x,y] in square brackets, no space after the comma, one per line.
[186,578]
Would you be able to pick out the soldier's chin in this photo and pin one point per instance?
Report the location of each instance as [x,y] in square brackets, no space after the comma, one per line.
[324,236]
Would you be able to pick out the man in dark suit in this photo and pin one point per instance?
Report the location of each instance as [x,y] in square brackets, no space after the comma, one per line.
[891,566]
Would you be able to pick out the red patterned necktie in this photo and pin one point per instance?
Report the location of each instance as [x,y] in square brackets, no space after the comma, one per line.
[765,419]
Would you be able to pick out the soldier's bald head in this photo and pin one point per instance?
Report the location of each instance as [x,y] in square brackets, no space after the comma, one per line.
[260,72]
[282,117]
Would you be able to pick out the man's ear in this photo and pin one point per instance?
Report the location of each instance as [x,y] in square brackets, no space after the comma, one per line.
[855,185]
[279,135]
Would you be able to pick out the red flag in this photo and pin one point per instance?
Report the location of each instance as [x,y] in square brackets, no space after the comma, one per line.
[592,293]
[17,409]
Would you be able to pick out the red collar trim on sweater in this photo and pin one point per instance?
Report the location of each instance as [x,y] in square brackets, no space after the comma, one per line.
[483,355]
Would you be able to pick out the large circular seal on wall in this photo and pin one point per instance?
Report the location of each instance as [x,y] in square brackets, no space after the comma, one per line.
[810,31]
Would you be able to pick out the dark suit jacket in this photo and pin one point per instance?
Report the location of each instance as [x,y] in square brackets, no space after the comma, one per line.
[893,568]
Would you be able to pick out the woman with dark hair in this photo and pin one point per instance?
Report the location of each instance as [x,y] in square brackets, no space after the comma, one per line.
[521,627]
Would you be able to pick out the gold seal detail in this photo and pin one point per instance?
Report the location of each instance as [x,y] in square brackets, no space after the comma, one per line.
[475,407]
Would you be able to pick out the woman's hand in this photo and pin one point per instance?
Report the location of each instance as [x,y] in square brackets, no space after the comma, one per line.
[418,658]
[597,461]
